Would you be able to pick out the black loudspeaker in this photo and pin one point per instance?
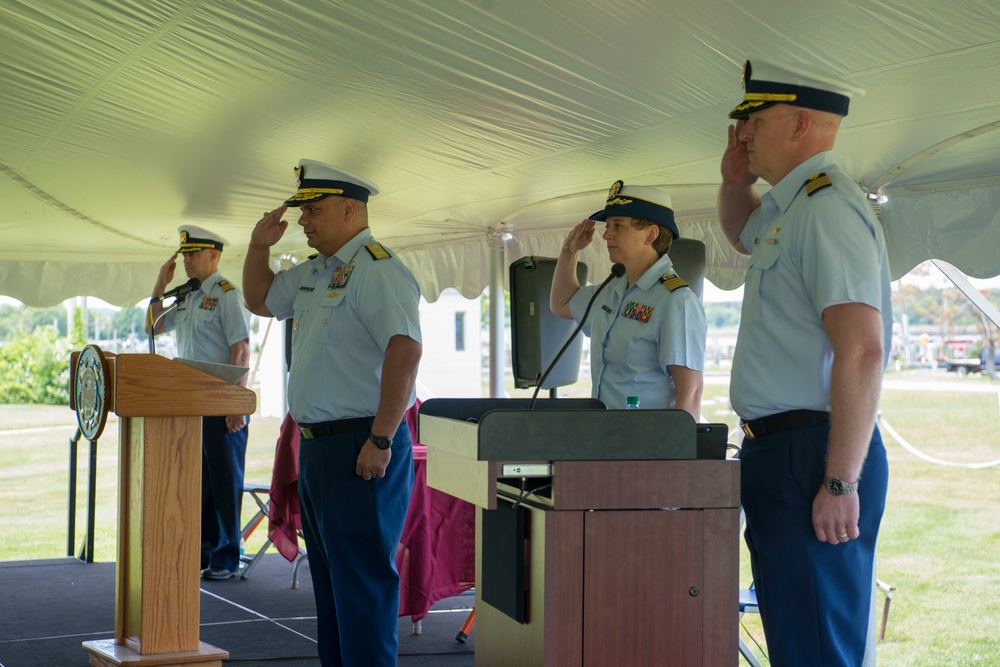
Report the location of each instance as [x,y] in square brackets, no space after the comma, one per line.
[688,257]
[503,560]
[536,334]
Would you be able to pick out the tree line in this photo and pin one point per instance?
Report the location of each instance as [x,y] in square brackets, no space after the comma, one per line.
[36,343]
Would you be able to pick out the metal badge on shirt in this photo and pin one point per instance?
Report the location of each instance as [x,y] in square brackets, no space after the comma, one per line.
[637,311]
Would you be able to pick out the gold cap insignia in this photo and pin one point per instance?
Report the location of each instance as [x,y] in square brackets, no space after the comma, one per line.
[616,187]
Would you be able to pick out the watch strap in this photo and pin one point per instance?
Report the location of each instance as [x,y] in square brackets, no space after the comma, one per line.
[381,441]
[838,487]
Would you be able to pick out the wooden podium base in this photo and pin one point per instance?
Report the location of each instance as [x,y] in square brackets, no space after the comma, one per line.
[106,653]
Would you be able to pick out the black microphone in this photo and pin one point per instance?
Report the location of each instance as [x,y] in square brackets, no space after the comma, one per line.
[180,290]
[617,271]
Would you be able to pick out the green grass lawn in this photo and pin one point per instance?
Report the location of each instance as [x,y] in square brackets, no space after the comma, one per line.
[34,476]
[939,543]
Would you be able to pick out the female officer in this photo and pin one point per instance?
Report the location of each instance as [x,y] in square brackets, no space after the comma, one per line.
[647,328]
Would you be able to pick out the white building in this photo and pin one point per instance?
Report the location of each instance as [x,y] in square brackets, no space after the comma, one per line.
[451,365]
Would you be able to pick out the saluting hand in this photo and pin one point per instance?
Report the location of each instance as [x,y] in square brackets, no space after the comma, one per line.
[580,237]
[166,275]
[270,228]
[735,161]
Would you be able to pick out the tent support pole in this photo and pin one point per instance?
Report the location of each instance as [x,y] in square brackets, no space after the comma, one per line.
[497,248]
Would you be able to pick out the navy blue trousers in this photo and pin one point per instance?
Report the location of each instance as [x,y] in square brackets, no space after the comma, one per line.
[352,529]
[223,457]
[814,597]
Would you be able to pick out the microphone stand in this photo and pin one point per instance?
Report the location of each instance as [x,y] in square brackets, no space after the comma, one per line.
[617,271]
[152,328]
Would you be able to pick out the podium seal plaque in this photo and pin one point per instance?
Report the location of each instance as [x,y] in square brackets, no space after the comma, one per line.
[90,392]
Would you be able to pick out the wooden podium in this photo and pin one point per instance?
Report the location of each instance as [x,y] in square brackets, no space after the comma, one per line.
[624,547]
[161,403]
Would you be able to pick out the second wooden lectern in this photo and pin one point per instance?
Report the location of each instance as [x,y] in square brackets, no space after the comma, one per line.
[161,403]
[601,536]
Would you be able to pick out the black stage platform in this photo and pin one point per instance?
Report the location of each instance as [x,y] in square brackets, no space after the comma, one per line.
[48,608]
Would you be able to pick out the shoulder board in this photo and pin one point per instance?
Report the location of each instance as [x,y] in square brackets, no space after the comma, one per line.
[672,281]
[313,256]
[377,251]
[226,285]
[817,182]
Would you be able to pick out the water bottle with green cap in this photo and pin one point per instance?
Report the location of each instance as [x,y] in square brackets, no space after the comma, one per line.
[632,403]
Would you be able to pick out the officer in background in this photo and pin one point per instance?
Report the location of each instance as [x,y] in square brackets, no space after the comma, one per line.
[355,350]
[814,338]
[213,325]
[648,328]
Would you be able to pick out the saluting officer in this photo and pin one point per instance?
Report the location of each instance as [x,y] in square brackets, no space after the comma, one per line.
[647,327]
[212,325]
[355,350]
[814,339]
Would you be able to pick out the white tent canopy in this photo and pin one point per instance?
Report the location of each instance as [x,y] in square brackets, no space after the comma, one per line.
[479,119]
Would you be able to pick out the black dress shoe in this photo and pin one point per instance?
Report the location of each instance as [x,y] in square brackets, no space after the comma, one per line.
[217,573]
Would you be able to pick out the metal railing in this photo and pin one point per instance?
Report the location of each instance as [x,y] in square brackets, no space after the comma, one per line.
[86,552]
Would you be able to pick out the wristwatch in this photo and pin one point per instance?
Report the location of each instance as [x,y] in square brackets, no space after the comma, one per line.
[382,442]
[838,487]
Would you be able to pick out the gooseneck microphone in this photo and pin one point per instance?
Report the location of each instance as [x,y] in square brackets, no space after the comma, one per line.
[180,290]
[617,271]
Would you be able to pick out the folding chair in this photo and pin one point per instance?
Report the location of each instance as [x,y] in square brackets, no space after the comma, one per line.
[748,605]
[248,562]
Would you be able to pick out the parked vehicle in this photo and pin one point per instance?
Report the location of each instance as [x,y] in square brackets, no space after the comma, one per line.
[966,366]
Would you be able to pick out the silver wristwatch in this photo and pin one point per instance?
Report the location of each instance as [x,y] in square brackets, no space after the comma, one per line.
[838,487]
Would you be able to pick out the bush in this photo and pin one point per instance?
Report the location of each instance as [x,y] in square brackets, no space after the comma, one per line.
[34,368]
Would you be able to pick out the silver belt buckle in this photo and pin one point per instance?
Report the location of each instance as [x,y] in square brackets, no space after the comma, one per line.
[747,430]
[306,432]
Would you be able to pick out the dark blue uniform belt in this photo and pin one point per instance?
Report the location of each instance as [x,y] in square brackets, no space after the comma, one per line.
[758,428]
[336,427]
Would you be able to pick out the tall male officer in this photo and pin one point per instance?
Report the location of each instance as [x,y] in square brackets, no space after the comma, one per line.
[212,325]
[815,334]
[355,350]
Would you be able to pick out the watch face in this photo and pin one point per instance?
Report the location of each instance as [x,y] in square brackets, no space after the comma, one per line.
[838,487]
[381,441]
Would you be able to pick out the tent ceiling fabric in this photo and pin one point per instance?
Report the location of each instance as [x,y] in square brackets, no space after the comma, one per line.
[121,120]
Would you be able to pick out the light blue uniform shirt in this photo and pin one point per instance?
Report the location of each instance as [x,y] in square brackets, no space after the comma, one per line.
[807,253]
[346,308]
[210,321]
[636,332]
